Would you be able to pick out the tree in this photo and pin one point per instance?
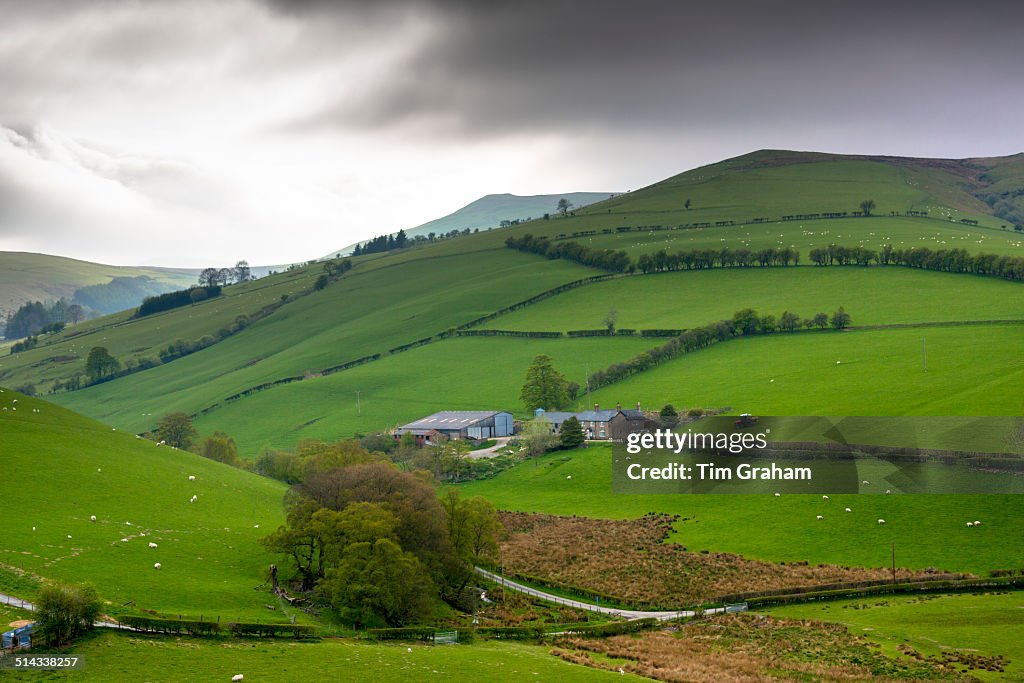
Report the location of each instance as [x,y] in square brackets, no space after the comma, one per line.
[538,436]
[610,319]
[208,277]
[570,434]
[669,416]
[820,320]
[789,321]
[242,272]
[65,611]
[100,365]
[545,387]
[563,206]
[220,447]
[687,204]
[867,206]
[175,429]
[746,321]
[75,314]
[840,319]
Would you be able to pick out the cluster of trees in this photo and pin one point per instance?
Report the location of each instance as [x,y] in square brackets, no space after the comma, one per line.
[382,243]
[333,270]
[35,317]
[745,322]
[177,430]
[946,260]
[65,612]
[379,544]
[701,259]
[177,299]
[210,277]
[607,259]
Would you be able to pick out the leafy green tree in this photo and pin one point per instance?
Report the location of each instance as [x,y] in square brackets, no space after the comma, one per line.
[538,436]
[563,206]
[545,387]
[570,434]
[65,612]
[820,320]
[746,321]
[220,447]
[669,415]
[610,319]
[789,321]
[840,319]
[867,206]
[242,272]
[176,430]
[100,365]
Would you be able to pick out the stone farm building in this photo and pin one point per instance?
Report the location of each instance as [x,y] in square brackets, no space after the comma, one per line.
[459,424]
[611,424]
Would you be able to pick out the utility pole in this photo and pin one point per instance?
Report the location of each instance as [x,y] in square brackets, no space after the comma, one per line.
[359,407]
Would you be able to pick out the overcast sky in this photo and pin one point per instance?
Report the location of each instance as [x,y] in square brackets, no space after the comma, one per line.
[200,133]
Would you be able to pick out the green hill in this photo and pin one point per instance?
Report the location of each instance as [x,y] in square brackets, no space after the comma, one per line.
[38,277]
[282,337]
[59,469]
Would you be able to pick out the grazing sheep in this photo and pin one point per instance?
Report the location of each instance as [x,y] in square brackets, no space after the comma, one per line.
[152,545]
[568,476]
[881,521]
[69,535]
[191,477]
[33,528]
[888,491]
[777,494]
[237,677]
[92,518]
[124,540]
[156,565]
[865,482]
[824,497]
[970,523]
[195,498]
[820,517]
[849,510]
[977,523]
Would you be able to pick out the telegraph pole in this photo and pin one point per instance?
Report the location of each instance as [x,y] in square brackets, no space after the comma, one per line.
[359,407]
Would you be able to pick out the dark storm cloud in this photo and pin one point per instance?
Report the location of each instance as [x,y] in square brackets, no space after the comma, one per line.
[508,67]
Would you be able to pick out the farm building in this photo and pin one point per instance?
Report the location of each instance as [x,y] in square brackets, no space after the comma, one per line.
[459,424]
[611,424]
[20,637]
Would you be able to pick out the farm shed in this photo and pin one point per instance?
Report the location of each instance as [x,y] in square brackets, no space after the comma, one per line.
[460,424]
[19,637]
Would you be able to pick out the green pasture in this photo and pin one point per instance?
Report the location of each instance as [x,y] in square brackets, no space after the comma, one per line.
[124,657]
[463,373]
[928,530]
[986,624]
[59,469]
[873,296]
[355,317]
[972,370]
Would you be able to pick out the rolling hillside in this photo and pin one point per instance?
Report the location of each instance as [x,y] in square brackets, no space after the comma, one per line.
[59,469]
[312,349]
[38,277]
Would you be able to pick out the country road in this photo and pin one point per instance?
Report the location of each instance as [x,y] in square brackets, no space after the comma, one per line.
[16,602]
[614,611]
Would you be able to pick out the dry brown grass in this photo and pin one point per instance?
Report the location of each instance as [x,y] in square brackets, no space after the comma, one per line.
[628,559]
[749,649]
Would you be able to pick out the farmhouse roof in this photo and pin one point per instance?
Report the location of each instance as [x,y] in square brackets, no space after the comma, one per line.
[451,419]
[585,416]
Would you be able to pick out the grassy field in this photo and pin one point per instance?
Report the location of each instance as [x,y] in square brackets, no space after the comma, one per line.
[122,657]
[873,296]
[987,624]
[928,530]
[59,469]
[463,373]
[972,370]
[360,315]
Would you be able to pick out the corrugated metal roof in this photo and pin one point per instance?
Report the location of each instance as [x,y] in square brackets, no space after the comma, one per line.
[586,416]
[452,419]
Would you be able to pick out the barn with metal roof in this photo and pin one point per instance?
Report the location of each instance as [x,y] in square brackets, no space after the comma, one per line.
[460,424]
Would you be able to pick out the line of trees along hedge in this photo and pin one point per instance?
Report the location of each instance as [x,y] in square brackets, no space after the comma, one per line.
[176,299]
[606,259]
[744,323]
[209,628]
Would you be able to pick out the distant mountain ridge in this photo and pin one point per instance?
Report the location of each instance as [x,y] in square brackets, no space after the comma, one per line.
[490,210]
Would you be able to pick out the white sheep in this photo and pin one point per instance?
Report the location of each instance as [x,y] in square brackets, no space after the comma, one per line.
[824,497]
[191,477]
[92,518]
[33,528]
[156,565]
[888,490]
[821,517]
[237,677]
[970,523]
[69,535]
[865,482]
[977,523]
[195,498]
[568,476]
[777,494]
[124,540]
[152,545]
[881,521]
[849,510]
